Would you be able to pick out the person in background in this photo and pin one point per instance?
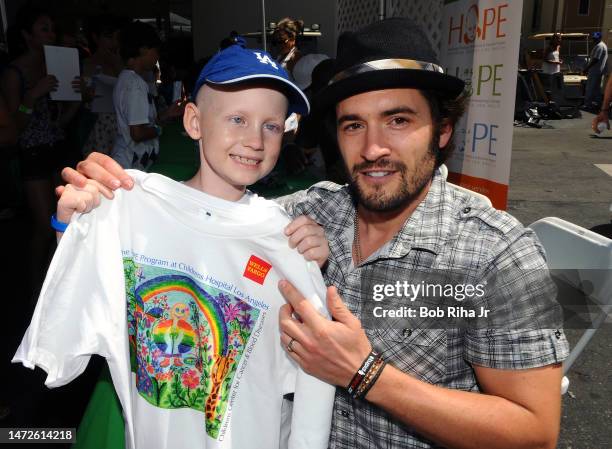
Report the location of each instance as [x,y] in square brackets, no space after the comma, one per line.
[309,157]
[285,39]
[595,70]
[40,122]
[8,138]
[101,71]
[138,124]
[552,62]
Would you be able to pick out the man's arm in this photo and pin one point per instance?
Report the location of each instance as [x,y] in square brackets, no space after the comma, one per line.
[518,408]
[595,58]
[142,133]
[603,115]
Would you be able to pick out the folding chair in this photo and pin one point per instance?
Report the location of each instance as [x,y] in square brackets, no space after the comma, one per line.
[582,259]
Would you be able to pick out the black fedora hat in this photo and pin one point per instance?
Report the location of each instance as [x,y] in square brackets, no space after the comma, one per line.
[387,54]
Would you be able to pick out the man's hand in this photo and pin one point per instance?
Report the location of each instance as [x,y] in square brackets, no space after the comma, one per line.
[309,238]
[599,118]
[101,168]
[330,350]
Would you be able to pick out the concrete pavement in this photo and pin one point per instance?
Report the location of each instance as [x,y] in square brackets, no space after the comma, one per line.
[554,173]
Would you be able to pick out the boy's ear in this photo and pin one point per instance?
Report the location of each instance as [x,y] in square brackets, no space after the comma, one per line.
[191,121]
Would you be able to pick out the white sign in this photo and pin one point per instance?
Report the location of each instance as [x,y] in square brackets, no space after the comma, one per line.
[480,44]
[63,63]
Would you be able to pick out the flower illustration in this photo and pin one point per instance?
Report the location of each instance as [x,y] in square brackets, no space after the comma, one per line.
[231,312]
[164,377]
[246,321]
[190,379]
[224,300]
[244,306]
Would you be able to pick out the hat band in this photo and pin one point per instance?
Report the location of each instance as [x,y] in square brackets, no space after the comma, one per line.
[385,64]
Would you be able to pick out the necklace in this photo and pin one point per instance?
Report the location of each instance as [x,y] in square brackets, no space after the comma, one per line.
[356,244]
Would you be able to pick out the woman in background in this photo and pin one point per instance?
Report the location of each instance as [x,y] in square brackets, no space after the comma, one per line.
[26,85]
[285,38]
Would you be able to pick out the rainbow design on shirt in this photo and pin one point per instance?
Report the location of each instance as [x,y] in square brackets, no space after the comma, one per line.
[186,340]
[212,312]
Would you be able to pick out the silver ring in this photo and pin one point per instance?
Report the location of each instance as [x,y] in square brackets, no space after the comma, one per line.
[290,345]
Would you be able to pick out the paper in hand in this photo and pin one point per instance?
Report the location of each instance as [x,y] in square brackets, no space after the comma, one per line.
[63,63]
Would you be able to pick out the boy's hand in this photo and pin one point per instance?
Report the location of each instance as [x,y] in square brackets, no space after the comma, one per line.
[75,199]
[98,167]
[309,239]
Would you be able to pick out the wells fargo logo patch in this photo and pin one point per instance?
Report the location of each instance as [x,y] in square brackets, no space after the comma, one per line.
[257,269]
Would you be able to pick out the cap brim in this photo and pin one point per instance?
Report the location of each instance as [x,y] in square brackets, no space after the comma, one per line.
[445,85]
[298,102]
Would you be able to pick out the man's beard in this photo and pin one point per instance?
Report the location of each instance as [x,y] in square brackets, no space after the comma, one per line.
[380,199]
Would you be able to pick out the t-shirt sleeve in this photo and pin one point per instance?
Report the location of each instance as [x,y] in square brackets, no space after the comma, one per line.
[72,319]
[525,330]
[313,399]
[136,104]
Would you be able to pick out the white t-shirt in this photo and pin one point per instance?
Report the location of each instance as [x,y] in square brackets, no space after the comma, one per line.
[198,363]
[134,105]
[599,51]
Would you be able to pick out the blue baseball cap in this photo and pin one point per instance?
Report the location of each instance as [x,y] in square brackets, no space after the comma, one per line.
[596,35]
[237,64]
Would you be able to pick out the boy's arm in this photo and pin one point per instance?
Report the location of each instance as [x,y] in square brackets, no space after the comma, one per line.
[75,199]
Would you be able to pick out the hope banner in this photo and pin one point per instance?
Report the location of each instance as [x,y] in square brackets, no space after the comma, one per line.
[480,44]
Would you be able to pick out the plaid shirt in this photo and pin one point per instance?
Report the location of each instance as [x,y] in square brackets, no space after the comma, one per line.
[448,230]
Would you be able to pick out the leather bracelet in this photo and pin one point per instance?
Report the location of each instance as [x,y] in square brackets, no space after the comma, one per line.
[361,372]
[59,226]
[370,378]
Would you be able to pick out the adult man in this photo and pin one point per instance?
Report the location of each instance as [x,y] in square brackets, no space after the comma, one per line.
[595,70]
[394,114]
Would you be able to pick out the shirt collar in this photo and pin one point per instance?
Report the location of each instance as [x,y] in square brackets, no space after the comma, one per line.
[426,229]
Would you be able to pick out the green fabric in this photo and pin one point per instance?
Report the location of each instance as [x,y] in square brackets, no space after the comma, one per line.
[102,425]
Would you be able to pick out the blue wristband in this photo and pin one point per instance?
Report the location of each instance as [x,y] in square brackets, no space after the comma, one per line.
[59,226]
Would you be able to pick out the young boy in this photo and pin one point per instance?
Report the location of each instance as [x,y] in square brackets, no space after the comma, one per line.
[138,123]
[203,366]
